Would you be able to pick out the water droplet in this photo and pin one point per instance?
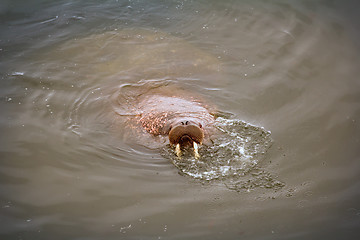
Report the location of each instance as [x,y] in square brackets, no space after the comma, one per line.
[123,229]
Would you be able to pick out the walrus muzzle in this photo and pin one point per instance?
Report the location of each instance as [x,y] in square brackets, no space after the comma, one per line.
[186,136]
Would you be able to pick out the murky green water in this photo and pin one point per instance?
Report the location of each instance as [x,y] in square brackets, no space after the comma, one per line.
[282,76]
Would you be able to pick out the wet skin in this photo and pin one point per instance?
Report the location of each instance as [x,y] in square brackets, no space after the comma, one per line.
[186,122]
[186,133]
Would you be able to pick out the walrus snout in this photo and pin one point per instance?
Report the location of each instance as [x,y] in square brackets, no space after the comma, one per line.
[189,122]
[186,133]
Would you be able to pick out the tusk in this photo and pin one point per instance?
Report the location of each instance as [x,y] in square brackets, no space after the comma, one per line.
[178,150]
[196,151]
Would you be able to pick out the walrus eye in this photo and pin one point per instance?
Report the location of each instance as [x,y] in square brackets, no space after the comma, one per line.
[170,128]
[200,125]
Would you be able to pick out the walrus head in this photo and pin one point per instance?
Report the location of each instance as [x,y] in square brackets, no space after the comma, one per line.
[186,133]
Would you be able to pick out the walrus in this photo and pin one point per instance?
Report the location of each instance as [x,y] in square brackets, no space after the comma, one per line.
[150,63]
[183,118]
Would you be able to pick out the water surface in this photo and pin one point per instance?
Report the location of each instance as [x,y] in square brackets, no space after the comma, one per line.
[287,69]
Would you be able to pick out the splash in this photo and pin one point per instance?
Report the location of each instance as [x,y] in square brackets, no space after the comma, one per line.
[232,158]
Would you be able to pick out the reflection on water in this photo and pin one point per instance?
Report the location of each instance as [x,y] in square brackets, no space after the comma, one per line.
[71,169]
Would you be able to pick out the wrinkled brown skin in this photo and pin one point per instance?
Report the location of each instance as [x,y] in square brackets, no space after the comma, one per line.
[183,119]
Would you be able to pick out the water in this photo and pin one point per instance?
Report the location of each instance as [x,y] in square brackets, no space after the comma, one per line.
[283,75]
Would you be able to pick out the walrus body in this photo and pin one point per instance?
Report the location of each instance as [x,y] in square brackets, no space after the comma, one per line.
[158,67]
[186,121]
